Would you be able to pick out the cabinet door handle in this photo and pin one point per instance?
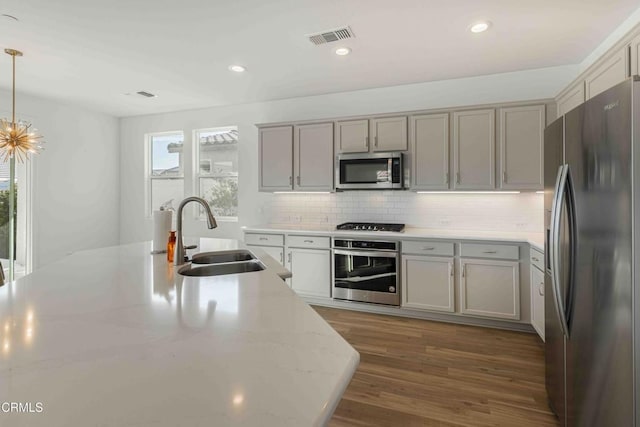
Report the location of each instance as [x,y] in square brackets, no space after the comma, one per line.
[457,177]
[298,177]
[263,238]
[464,269]
[366,142]
[541,289]
[504,176]
[446,178]
[425,248]
[451,269]
[308,241]
[290,180]
[535,259]
[490,252]
[281,258]
[289,257]
[375,141]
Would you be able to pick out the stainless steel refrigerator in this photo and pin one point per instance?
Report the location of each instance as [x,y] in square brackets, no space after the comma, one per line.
[592,220]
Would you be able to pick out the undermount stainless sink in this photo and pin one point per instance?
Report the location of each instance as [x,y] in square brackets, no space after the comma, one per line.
[222,256]
[221,269]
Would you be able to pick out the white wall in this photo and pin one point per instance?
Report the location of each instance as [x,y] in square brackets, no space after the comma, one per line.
[75,179]
[256,207]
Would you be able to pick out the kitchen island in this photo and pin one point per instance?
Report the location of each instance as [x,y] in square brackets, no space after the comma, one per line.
[116,337]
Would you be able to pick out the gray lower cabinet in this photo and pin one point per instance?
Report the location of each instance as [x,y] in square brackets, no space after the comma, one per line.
[276,158]
[537,300]
[313,157]
[521,147]
[474,149]
[272,244]
[536,282]
[428,283]
[490,288]
[608,73]
[352,136]
[389,134]
[429,139]
[274,252]
[310,271]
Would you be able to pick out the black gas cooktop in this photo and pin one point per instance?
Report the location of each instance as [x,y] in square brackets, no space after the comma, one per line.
[370,226]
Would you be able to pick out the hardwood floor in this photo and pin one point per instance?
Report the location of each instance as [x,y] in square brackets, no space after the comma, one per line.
[420,373]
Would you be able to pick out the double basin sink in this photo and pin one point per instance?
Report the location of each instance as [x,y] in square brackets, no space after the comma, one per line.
[220,263]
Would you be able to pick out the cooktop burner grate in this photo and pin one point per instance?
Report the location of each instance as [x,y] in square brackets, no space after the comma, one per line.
[370,226]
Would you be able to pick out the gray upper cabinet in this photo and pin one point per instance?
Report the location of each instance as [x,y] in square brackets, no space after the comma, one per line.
[608,73]
[352,136]
[474,149]
[635,55]
[389,134]
[571,99]
[276,158]
[429,137]
[521,145]
[313,157]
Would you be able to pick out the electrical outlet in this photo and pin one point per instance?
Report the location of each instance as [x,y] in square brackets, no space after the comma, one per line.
[297,218]
[324,219]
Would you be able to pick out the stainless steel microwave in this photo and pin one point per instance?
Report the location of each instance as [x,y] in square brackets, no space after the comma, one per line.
[369,171]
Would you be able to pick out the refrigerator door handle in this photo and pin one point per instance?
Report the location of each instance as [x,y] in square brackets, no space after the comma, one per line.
[556,211]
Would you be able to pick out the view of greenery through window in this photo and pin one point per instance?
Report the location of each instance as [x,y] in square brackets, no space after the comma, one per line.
[216,174]
[218,170]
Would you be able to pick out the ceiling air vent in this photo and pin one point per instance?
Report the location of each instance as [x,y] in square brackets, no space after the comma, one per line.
[331,35]
[146,94]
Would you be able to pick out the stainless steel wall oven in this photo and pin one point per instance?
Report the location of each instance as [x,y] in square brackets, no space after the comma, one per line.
[366,270]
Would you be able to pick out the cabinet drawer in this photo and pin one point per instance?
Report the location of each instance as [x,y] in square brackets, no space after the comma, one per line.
[264,239]
[427,247]
[480,250]
[537,258]
[309,242]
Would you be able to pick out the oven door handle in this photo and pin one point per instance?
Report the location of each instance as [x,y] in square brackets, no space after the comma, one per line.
[367,254]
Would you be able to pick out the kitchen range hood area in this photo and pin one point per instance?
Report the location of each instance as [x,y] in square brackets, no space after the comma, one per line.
[408,215]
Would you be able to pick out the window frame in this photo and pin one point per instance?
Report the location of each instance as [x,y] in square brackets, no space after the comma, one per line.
[149,178]
[197,176]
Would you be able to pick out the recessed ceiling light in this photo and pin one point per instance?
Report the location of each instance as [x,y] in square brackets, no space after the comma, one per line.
[479,27]
[237,68]
[342,51]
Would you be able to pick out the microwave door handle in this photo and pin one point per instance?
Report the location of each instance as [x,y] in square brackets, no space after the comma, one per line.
[390,170]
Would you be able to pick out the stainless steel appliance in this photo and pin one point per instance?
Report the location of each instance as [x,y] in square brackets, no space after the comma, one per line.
[366,270]
[369,171]
[370,226]
[592,208]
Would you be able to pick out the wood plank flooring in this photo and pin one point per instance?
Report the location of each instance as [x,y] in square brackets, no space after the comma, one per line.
[420,373]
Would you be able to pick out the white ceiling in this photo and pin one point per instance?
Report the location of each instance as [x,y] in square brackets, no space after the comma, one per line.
[93,53]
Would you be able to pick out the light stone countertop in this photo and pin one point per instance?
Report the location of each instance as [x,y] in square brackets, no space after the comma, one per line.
[115,337]
[534,239]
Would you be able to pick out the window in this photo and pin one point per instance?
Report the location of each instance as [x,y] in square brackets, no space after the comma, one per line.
[165,170]
[217,174]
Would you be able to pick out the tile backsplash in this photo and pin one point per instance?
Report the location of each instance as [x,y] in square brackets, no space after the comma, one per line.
[493,212]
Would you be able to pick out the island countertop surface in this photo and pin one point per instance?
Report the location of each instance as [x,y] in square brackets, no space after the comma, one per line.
[116,337]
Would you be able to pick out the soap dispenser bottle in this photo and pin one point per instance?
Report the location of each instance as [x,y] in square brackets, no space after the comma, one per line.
[171,246]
